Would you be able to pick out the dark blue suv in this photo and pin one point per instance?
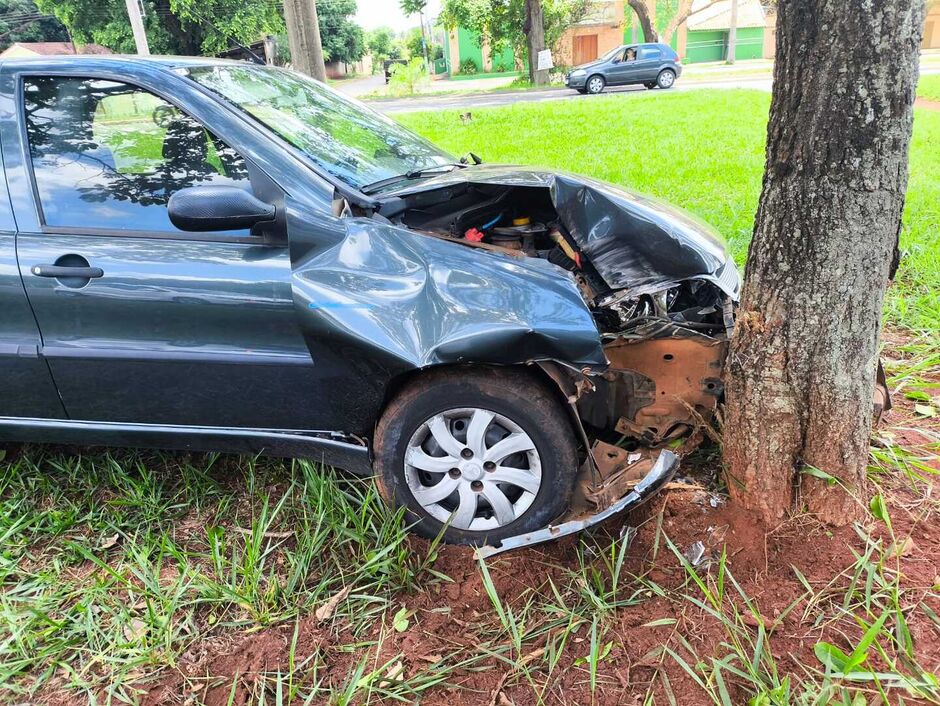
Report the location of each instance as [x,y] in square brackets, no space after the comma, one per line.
[648,64]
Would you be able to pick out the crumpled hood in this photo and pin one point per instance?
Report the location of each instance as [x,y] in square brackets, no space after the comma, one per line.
[634,242]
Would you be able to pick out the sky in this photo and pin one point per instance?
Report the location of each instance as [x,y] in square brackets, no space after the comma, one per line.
[387,13]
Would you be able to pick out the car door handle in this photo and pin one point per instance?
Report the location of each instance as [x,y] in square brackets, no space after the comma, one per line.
[59,271]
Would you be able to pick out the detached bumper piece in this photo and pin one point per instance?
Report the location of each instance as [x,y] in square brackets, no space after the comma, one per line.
[661,471]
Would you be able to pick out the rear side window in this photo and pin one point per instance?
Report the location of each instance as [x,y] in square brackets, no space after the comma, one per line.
[107,155]
[649,53]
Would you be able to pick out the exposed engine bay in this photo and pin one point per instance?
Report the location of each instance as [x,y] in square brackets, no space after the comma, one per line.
[666,346]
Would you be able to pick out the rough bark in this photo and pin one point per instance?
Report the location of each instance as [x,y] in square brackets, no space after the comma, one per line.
[303,36]
[646,20]
[802,363]
[535,40]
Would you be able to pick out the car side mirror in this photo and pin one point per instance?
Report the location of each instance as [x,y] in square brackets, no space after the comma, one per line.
[208,208]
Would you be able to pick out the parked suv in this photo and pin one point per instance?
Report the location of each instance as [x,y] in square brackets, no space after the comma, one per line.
[651,65]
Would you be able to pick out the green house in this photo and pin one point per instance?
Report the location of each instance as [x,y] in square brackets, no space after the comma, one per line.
[705,35]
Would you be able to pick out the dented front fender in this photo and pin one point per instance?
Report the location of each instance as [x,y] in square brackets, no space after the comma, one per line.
[376,301]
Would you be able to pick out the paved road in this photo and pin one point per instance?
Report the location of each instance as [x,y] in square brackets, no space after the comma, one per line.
[487,100]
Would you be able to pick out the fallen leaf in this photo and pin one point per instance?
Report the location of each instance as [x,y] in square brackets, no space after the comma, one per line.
[535,654]
[325,611]
[394,673]
[749,619]
[903,547]
[110,541]
[925,410]
[433,659]
[135,630]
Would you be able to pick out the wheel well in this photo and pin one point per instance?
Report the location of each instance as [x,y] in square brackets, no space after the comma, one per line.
[534,373]
[600,76]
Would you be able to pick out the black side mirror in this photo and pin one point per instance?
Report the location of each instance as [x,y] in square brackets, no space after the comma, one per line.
[208,208]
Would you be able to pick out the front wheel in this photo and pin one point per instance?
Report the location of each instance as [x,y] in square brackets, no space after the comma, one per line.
[665,79]
[488,453]
[595,84]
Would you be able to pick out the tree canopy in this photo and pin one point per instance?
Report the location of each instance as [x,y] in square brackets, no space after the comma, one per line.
[201,26]
[502,22]
[20,22]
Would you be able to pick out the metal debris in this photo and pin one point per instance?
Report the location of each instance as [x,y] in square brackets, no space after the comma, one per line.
[695,553]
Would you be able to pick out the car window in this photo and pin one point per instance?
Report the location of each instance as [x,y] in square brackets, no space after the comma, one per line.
[649,53]
[109,155]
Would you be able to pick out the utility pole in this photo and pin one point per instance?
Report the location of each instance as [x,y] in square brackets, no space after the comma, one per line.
[303,36]
[135,13]
[733,32]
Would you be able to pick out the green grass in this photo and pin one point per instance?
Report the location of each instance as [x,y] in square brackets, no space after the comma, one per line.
[701,151]
[929,87]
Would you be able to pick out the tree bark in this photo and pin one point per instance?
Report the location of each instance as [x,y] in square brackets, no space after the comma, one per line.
[535,40]
[733,33]
[646,20]
[802,362]
[303,36]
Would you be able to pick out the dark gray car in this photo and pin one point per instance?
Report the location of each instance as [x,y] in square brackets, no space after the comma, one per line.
[651,65]
[214,255]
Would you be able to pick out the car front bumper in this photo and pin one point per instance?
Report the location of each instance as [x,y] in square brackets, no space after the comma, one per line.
[576,81]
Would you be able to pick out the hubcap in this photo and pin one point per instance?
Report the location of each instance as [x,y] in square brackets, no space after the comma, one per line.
[595,85]
[666,80]
[474,467]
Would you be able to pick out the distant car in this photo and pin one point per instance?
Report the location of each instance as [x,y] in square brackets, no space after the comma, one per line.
[651,65]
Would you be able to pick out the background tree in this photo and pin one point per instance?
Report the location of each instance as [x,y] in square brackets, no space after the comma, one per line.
[502,22]
[646,10]
[802,361]
[382,45]
[21,21]
[303,35]
[342,39]
[417,7]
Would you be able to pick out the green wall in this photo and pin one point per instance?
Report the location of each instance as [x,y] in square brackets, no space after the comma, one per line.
[468,47]
[712,45]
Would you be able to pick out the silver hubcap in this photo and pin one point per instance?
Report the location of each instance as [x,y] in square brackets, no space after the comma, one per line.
[666,79]
[474,467]
[596,85]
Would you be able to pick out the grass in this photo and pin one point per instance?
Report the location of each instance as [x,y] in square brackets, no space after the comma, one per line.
[929,87]
[701,151]
[117,567]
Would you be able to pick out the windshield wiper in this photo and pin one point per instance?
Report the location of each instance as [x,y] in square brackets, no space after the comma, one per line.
[408,176]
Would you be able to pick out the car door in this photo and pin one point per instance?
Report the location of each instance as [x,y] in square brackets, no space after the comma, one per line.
[617,71]
[646,66]
[141,322]
[26,387]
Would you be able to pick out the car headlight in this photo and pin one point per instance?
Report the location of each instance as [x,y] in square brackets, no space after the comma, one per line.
[578,74]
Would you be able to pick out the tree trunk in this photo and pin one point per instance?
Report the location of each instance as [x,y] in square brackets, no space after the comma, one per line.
[646,19]
[303,36]
[733,32]
[802,362]
[535,40]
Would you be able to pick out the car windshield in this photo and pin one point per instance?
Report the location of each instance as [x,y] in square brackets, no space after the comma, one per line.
[355,144]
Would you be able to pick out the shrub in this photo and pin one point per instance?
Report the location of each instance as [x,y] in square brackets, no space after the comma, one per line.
[468,66]
[406,79]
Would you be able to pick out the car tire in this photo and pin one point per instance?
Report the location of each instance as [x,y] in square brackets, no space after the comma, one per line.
[666,78]
[595,84]
[529,488]
[650,85]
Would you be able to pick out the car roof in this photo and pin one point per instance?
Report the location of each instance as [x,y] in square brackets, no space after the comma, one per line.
[122,61]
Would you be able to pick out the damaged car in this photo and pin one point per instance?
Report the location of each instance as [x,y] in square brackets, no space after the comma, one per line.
[210,255]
